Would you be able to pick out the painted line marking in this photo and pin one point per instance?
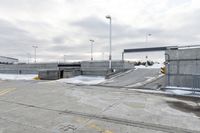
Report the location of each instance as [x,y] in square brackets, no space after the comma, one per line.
[98,128]
[92,125]
[5,91]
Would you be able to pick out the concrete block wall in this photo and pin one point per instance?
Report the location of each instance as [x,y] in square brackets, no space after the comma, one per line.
[57,74]
[35,68]
[71,73]
[128,65]
[95,68]
[184,67]
[27,68]
[101,68]
[181,81]
[49,74]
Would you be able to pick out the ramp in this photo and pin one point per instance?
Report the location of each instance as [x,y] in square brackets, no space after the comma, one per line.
[133,78]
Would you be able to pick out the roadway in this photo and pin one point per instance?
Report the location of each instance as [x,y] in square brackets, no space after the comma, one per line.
[133,78]
[50,106]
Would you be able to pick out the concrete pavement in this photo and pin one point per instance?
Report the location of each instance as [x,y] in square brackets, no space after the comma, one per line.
[132,78]
[49,106]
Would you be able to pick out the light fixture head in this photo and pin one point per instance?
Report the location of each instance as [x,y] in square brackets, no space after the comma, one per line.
[35,46]
[108,17]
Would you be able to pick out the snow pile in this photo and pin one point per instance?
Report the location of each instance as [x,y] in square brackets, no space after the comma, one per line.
[182,90]
[17,76]
[179,92]
[149,67]
[88,80]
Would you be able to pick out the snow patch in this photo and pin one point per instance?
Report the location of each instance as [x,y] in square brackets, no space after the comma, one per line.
[182,90]
[179,92]
[150,67]
[17,76]
[88,80]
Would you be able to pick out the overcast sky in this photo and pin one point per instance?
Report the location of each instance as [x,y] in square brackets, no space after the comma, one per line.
[64,27]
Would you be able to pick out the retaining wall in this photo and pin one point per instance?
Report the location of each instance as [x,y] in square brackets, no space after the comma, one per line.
[35,68]
[66,70]
[183,69]
[101,68]
[27,68]
[49,74]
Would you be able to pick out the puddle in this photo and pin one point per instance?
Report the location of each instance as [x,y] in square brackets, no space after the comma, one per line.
[185,107]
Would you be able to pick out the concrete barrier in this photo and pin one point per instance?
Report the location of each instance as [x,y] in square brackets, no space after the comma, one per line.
[27,68]
[35,68]
[49,74]
[71,73]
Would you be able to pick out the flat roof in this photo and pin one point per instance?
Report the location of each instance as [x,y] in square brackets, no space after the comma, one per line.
[8,58]
[150,49]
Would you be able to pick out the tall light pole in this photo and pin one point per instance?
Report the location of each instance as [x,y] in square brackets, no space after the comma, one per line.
[110,52]
[35,47]
[64,57]
[147,37]
[28,57]
[92,41]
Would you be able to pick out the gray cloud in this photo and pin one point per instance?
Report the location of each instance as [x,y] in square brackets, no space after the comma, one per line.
[14,39]
[31,27]
[126,36]
[17,42]
[34,5]
[98,28]
[59,40]
[70,48]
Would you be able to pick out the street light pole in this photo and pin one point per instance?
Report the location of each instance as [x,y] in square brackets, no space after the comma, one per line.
[64,58]
[92,41]
[147,37]
[28,57]
[110,52]
[35,47]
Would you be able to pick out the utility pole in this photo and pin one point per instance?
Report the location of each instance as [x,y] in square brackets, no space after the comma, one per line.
[92,42]
[28,57]
[110,36]
[35,47]
[147,37]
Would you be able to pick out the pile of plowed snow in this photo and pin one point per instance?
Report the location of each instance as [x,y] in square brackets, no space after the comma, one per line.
[88,80]
[17,76]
